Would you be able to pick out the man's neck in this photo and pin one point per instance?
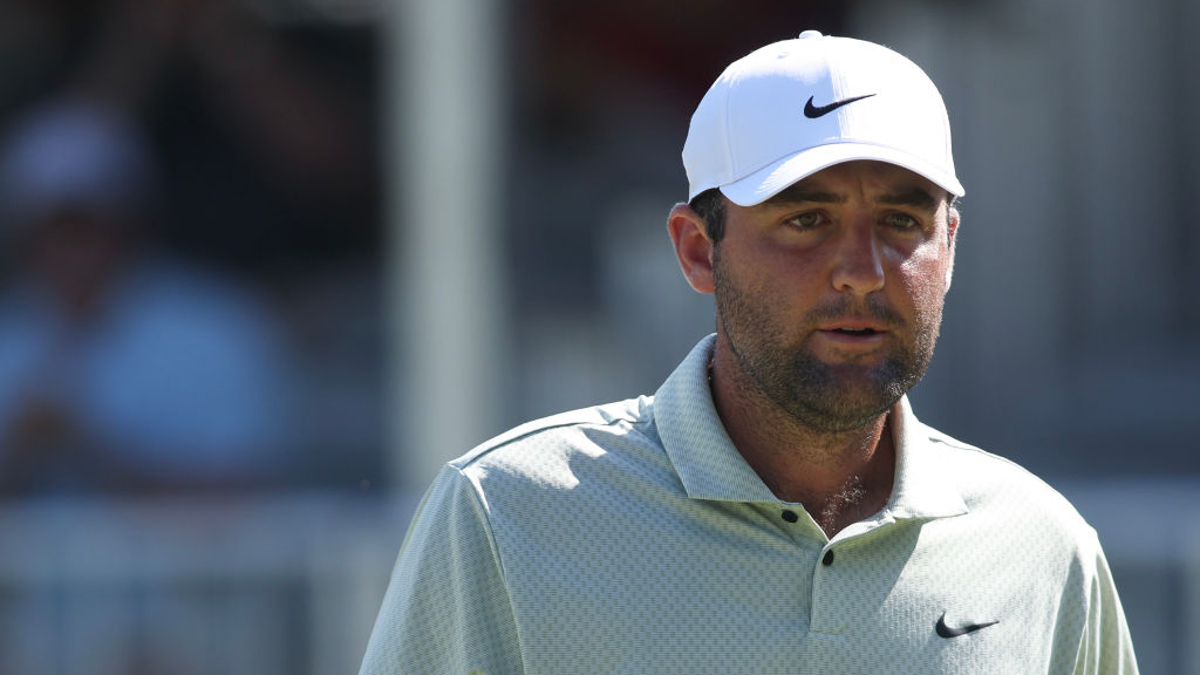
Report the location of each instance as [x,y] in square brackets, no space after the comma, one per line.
[839,477]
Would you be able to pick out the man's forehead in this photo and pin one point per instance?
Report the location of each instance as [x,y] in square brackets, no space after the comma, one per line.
[887,183]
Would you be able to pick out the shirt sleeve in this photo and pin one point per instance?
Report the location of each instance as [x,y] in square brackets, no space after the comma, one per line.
[447,608]
[1106,647]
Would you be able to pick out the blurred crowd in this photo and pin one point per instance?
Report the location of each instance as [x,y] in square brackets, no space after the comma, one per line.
[189,226]
[191,288]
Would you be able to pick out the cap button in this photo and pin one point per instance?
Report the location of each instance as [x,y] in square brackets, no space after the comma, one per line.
[810,34]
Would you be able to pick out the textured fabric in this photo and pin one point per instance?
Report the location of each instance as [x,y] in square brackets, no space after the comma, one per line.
[633,538]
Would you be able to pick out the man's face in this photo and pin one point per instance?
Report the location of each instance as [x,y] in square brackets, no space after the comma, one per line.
[829,296]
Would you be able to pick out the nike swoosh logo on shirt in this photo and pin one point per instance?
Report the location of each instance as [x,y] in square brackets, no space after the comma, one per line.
[946,631]
[812,112]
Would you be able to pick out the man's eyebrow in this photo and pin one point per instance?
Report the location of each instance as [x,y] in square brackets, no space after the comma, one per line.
[915,197]
[799,194]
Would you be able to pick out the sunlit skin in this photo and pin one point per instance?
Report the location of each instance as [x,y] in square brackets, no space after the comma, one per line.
[803,391]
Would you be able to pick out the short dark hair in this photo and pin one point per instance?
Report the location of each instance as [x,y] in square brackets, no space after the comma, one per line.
[710,206]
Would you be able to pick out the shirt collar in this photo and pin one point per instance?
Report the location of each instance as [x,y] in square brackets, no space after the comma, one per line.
[710,467]
[923,487]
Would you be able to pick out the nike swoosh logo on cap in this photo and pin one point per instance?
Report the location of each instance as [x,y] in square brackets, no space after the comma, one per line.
[954,631]
[812,112]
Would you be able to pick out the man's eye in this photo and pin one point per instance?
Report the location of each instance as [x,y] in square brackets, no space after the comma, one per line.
[806,221]
[902,221]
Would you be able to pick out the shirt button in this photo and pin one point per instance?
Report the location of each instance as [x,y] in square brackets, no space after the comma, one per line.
[828,559]
[790,516]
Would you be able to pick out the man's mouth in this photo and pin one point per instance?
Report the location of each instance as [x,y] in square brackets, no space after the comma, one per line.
[855,331]
[855,335]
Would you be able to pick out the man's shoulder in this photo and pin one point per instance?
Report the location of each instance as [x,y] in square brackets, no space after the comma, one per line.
[990,481]
[552,438]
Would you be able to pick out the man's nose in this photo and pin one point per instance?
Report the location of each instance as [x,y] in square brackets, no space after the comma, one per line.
[858,266]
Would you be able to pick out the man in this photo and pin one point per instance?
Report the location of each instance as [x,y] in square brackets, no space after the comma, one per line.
[775,507]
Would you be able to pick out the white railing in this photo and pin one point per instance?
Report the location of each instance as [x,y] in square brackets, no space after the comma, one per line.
[270,585]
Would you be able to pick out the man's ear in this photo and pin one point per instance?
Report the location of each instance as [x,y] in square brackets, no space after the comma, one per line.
[693,248]
[952,221]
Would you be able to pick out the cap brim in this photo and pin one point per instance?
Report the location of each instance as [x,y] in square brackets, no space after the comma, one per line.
[773,178]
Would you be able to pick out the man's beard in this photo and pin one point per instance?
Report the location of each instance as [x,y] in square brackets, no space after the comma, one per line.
[822,396]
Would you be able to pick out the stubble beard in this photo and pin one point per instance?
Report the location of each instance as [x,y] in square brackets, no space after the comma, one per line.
[822,396]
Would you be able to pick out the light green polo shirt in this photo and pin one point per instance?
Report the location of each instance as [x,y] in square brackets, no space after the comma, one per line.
[633,538]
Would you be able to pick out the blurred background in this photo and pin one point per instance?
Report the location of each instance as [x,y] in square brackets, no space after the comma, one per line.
[268,263]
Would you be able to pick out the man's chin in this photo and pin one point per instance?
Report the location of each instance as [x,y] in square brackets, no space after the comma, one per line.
[847,398]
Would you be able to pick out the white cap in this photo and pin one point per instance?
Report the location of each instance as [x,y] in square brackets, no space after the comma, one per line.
[792,108]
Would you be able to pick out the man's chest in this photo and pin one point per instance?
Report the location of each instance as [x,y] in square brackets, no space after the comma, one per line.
[729,591]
